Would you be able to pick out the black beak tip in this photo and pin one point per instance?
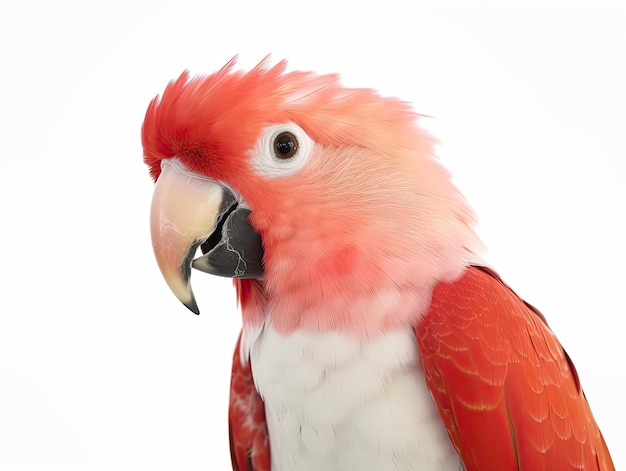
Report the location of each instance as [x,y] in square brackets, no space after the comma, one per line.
[192,306]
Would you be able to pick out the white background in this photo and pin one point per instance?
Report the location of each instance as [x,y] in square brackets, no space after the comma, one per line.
[102,369]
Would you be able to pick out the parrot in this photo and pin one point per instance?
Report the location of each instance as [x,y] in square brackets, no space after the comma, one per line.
[374,336]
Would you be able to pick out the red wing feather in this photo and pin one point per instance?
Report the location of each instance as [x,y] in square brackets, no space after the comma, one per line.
[249,445]
[505,388]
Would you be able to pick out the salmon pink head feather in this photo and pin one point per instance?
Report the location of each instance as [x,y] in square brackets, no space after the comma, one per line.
[371,208]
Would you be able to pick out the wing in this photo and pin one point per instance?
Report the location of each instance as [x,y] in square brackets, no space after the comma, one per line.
[505,388]
[249,444]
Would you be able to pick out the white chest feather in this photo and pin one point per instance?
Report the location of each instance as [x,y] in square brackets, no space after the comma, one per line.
[342,404]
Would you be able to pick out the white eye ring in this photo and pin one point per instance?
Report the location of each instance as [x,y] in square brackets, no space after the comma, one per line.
[282,150]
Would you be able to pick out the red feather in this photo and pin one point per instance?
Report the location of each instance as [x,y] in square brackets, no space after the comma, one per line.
[249,444]
[505,388]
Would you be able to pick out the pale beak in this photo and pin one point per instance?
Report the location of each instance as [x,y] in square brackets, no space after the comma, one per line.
[191,211]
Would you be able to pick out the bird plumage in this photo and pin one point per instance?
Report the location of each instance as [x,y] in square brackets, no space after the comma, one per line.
[365,239]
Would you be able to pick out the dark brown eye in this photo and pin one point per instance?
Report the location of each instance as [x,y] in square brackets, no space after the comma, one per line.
[285,145]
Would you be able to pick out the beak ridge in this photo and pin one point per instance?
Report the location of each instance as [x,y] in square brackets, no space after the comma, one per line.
[185,210]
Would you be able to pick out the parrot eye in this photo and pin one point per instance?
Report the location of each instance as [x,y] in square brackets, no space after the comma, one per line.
[285,145]
[282,150]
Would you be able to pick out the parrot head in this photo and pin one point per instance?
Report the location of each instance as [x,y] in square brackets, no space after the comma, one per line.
[309,194]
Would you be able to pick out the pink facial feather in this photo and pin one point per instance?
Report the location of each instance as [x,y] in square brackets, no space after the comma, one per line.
[360,236]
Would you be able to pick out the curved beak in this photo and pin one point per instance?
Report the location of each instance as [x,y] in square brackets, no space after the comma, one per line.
[190,211]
